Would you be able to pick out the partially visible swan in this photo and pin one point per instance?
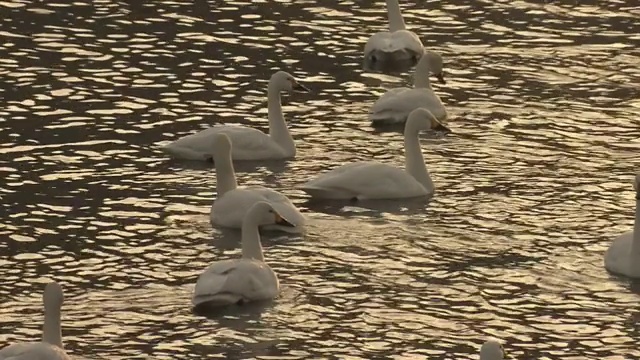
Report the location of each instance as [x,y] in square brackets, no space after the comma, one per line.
[397,44]
[232,203]
[623,256]
[373,180]
[237,281]
[492,350]
[51,346]
[395,105]
[248,143]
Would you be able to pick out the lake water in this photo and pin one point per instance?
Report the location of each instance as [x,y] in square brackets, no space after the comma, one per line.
[532,185]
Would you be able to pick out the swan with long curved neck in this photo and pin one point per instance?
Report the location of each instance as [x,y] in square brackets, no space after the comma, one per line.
[396,104]
[492,350]
[396,45]
[233,202]
[50,347]
[248,143]
[623,256]
[238,281]
[373,180]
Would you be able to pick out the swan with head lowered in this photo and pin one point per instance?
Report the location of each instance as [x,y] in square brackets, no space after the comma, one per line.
[50,348]
[369,180]
[492,350]
[396,45]
[623,256]
[394,106]
[238,281]
[248,143]
[233,202]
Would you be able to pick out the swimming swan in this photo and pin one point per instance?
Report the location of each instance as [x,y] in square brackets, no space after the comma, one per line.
[237,281]
[492,350]
[623,256]
[397,44]
[373,180]
[395,105]
[248,143]
[232,204]
[51,346]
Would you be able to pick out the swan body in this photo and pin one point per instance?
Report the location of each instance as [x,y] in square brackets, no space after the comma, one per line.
[623,255]
[372,180]
[492,350]
[50,348]
[394,106]
[233,202]
[248,143]
[396,45]
[237,281]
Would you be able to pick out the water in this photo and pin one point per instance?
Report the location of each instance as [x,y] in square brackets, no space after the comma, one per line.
[532,185]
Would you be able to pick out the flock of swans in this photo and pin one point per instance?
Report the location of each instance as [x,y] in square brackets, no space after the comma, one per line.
[249,278]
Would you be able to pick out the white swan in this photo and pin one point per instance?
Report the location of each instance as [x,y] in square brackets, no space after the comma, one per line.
[248,143]
[492,350]
[232,203]
[623,256]
[395,105]
[373,180]
[236,281]
[51,346]
[397,44]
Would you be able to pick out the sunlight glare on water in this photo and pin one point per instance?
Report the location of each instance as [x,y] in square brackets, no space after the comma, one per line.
[531,186]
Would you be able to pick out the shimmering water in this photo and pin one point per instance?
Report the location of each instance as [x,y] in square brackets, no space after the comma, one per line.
[532,185]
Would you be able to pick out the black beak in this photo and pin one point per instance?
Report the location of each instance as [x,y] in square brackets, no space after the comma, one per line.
[440,77]
[301,88]
[443,128]
[283,222]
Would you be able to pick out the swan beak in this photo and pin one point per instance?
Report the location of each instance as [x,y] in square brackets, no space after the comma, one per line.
[440,77]
[299,87]
[441,127]
[282,221]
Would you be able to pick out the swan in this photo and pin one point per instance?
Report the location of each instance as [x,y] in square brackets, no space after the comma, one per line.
[232,204]
[397,44]
[623,256]
[50,348]
[248,143]
[237,281]
[394,106]
[373,180]
[492,350]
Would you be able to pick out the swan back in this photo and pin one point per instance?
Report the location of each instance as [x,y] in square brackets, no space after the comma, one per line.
[492,350]
[283,81]
[422,119]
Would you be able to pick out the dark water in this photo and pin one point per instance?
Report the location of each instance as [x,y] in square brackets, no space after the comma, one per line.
[532,185]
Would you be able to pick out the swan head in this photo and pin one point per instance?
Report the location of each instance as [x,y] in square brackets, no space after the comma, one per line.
[221,143]
[492,350]
[434,61]
[283,81]
[52,297]
[422,119]
[265,214]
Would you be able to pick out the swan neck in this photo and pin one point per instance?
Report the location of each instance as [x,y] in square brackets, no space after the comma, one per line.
[251,245]
[421,76]
[396,22]
[51,332]
[278,130]
[636,227]
[414,161]
[225,174]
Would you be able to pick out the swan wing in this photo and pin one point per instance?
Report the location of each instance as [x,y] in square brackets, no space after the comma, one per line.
[392,42]
[229,281]
[396,104]
[33,351]
[364,180]
[247,144]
